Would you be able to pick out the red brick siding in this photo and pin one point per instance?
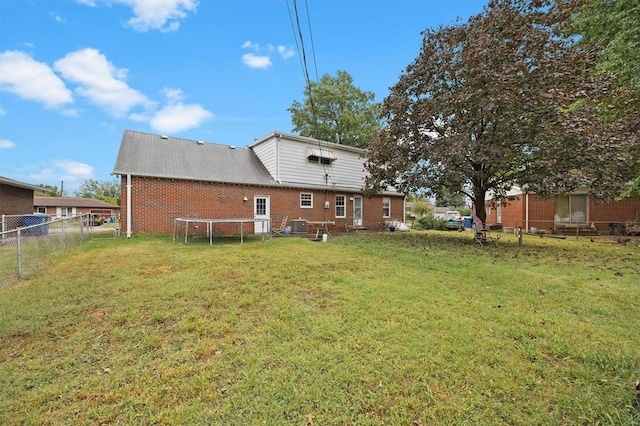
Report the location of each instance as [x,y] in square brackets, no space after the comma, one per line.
[542,211]
[14,200]
[157,202]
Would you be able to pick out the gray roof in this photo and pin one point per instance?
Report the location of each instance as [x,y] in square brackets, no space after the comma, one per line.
[145,154]
[18,184]
[71,202]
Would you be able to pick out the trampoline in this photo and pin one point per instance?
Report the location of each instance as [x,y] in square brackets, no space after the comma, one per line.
[210,223]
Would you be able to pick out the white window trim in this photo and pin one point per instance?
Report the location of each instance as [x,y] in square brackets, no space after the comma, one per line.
[311,200]
[344,205]
[388,200]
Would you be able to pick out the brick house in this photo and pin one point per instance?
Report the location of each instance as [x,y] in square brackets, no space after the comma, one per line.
[16,197]
[568,214]
[164,178]
[58,207]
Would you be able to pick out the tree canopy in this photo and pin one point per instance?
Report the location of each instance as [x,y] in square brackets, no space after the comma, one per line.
[611,28]
[335,110]
[491,103]
[107,191]
[53,191]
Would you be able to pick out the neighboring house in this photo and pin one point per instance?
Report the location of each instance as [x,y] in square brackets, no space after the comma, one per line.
[58,207]
[16,197]
[567,214]
[440,212]
[16,200]
[164,178]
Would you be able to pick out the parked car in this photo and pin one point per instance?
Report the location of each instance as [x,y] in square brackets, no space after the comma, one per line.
[453,220]
[94,219]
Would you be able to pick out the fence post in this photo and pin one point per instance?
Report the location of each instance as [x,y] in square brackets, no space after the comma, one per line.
[19,252]
[64,236]
[519,236]
[3,228]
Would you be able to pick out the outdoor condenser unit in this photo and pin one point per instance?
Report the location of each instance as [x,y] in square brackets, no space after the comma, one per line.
[299,226]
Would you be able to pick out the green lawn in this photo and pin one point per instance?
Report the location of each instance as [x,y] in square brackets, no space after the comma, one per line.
[394,328]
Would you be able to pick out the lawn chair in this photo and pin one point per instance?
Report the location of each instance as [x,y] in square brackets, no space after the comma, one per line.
[481,234]
[280,230]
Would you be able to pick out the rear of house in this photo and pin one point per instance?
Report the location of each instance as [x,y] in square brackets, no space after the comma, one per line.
[569,214]
[280,175]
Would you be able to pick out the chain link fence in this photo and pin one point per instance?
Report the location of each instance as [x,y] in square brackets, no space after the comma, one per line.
[28,241]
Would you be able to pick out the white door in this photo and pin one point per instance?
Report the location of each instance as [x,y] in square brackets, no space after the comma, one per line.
[357,210]
[261,210]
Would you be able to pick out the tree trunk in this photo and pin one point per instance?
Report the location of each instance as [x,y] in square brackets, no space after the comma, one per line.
[478,204]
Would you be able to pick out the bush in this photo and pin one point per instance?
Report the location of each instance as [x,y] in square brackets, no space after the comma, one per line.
[429,221]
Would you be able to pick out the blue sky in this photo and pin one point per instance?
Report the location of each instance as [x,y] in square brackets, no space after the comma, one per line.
[74,74]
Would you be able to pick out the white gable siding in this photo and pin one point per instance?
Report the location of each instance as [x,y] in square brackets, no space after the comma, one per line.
[286,158]
[292,164]
[267,152]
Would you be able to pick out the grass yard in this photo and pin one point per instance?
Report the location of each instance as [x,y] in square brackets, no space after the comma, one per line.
[394,328]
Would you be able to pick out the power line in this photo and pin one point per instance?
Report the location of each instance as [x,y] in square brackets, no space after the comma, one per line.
[305,70]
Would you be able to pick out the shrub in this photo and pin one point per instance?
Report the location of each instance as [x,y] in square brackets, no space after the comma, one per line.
[429,221]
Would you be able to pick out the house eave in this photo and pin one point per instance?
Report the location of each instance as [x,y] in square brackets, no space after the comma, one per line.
[272,184]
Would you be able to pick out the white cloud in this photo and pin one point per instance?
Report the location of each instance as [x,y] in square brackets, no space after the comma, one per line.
[255,61]
[91,3]
[249,45]
[285,52]
[70,112]
[176,116]
[72,173]
[6,144]
[57,18]
[163,15]
[173,95]
[2,111]
[262,56]
[100,82]
[22,75]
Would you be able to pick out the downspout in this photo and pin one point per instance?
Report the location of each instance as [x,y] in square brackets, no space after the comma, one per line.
[404,209]
[278,137]
[128,206]
[526,213]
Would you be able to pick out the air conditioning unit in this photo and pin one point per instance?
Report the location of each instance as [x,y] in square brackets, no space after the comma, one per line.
[299,226]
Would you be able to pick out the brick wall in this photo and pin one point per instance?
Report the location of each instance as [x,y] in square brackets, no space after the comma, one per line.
[542,211]
[15,200]
[157,202]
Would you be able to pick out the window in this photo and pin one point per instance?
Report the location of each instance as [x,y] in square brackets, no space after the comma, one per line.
[42,210]
[66,211]
[571,209]
[306,200]
[341,204]
[386,207]
[321,156]
[261,206]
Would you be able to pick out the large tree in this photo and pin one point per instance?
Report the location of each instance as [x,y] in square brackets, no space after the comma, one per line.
[488,104]
[611,28]
[107,191]
[335,110]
